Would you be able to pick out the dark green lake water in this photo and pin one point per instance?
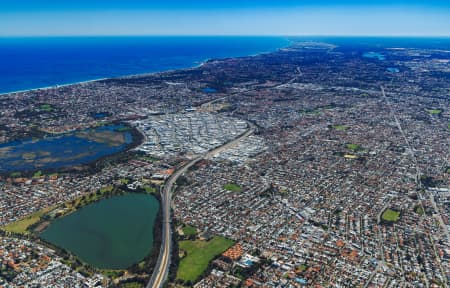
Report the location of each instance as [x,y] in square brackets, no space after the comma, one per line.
[111,234]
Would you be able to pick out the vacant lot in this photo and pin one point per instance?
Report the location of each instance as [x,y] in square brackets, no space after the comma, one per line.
[199,254]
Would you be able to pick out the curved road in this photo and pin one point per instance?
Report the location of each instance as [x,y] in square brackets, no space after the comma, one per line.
[162,266]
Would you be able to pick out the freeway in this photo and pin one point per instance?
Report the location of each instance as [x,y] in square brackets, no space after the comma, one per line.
[161,270]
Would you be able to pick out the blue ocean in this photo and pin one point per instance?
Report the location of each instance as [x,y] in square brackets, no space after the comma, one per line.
[28,63]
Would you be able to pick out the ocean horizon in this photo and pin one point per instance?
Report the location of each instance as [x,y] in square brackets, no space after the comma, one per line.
[29,63]
[41,62]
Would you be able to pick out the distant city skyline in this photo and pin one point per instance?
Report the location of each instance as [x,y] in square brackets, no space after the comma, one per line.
[265,17]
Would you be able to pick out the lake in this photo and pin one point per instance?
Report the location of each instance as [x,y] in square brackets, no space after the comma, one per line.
[374,55]
[393,70]
[113,233]
[209,90]
[65,150]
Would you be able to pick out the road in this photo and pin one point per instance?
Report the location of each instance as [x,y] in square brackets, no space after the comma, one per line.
[420,187]
[162,266]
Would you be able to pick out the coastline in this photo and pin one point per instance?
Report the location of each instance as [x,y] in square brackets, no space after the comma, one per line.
[56,86]
[288,43]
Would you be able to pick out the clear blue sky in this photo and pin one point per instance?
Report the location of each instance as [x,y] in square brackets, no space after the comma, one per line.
[231,17]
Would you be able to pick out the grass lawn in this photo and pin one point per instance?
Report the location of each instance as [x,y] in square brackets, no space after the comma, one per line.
[149,158]
[434,111]
[46,107]
[189,230]
[37,174]
[106,189]
[354,147]
[21,226]
[311,112]
[149,189]
[199,254]
[340,127]
[123,129]
[15,174]
[302,268]
[89,198]
[132,285]
[232,187]
[112,273]
[419,210]
[390,215]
